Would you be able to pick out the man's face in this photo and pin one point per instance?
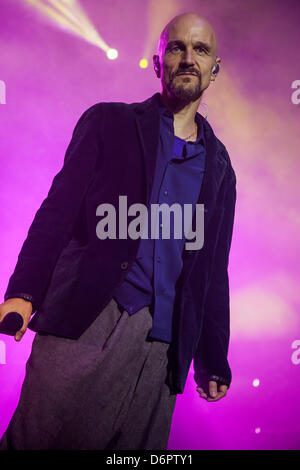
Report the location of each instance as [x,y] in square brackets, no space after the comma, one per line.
[187,57]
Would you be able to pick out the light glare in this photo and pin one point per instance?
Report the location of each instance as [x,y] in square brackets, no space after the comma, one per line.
[255,383]
[143,63]
[69,14]
[112,54]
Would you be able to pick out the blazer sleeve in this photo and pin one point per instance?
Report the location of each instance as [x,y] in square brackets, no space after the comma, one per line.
[54,221]
[210,360]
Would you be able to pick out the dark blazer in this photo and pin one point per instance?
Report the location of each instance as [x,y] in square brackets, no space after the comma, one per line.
[70,274]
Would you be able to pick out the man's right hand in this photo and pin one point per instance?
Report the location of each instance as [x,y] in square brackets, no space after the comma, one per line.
[21,306]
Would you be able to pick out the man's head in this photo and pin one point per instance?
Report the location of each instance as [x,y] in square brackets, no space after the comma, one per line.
[187,57]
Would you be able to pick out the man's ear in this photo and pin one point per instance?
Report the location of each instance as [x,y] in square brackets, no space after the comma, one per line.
[215,69]
[156,65]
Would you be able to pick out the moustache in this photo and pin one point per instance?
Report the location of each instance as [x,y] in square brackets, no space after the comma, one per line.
[194,72]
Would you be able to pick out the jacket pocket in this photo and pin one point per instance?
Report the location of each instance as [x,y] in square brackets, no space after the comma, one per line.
[64,274]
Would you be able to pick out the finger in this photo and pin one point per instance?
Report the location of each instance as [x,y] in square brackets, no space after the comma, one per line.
[213,388]
[20,333]
[201,392]
[221,392]
[217,397]
[223,388]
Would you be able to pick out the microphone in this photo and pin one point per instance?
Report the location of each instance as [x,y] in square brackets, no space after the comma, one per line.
[11,323]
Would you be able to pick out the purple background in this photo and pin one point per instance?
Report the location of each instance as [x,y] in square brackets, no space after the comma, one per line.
[52,76]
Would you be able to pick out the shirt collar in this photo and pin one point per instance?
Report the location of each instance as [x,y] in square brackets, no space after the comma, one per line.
[164,112]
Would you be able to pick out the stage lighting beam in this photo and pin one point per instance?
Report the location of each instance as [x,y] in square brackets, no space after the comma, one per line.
[70,15]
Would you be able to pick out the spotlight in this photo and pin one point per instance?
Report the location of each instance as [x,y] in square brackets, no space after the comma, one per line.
[143,63]
[255,382]
[112,54]
[69,15]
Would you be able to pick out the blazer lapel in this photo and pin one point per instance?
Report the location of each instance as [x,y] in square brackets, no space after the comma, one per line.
[215,169]
[147,122]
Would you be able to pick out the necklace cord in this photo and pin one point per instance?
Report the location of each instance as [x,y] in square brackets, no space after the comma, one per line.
[194,131]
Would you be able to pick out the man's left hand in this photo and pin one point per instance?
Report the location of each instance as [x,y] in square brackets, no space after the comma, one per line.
[216,392]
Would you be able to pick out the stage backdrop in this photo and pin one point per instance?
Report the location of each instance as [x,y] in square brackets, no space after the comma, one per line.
[51,70]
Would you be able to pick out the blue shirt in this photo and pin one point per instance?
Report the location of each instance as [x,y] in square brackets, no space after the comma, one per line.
[152,278]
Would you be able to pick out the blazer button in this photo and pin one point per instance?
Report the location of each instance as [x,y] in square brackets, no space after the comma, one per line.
[124,265]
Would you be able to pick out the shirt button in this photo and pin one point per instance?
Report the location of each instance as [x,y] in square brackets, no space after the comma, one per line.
[124,265]
[165,192]
[158,259]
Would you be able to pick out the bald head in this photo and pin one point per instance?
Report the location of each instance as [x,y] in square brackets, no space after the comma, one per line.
[187,59]
[190,22]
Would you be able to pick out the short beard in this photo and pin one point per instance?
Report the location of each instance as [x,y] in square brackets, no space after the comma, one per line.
[185,94]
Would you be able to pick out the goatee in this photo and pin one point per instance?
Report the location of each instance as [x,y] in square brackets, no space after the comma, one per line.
[185,93]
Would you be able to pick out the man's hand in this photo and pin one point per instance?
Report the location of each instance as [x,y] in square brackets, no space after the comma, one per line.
[21,306]
[215,392]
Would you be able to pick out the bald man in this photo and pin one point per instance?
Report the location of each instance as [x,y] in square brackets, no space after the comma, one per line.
[119,317]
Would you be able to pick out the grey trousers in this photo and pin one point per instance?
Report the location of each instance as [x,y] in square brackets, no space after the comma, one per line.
[105,390]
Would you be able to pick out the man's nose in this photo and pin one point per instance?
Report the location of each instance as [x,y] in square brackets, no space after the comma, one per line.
[188,57]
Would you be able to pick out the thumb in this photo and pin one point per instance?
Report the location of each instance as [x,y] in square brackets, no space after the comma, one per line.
[213,388]
[20,333]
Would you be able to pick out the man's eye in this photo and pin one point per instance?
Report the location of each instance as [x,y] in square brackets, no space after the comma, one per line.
[175,49]
[200,49]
